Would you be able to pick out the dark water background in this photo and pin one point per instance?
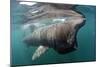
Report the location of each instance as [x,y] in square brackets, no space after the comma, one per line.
[22,55]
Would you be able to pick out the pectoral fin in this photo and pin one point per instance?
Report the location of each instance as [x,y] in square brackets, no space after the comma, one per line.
[39,51]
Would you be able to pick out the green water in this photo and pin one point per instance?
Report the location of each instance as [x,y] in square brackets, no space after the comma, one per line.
[22,55]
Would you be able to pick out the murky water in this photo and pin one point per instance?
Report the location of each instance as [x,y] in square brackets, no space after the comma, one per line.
[22,55]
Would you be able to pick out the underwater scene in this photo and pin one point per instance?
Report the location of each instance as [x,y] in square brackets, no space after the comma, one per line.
[50,33]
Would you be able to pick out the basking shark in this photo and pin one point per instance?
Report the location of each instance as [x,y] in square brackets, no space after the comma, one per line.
[62,36]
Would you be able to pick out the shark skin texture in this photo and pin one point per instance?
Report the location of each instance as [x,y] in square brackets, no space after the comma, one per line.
[62,36]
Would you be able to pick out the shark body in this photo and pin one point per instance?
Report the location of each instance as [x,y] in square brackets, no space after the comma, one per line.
[60,36]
